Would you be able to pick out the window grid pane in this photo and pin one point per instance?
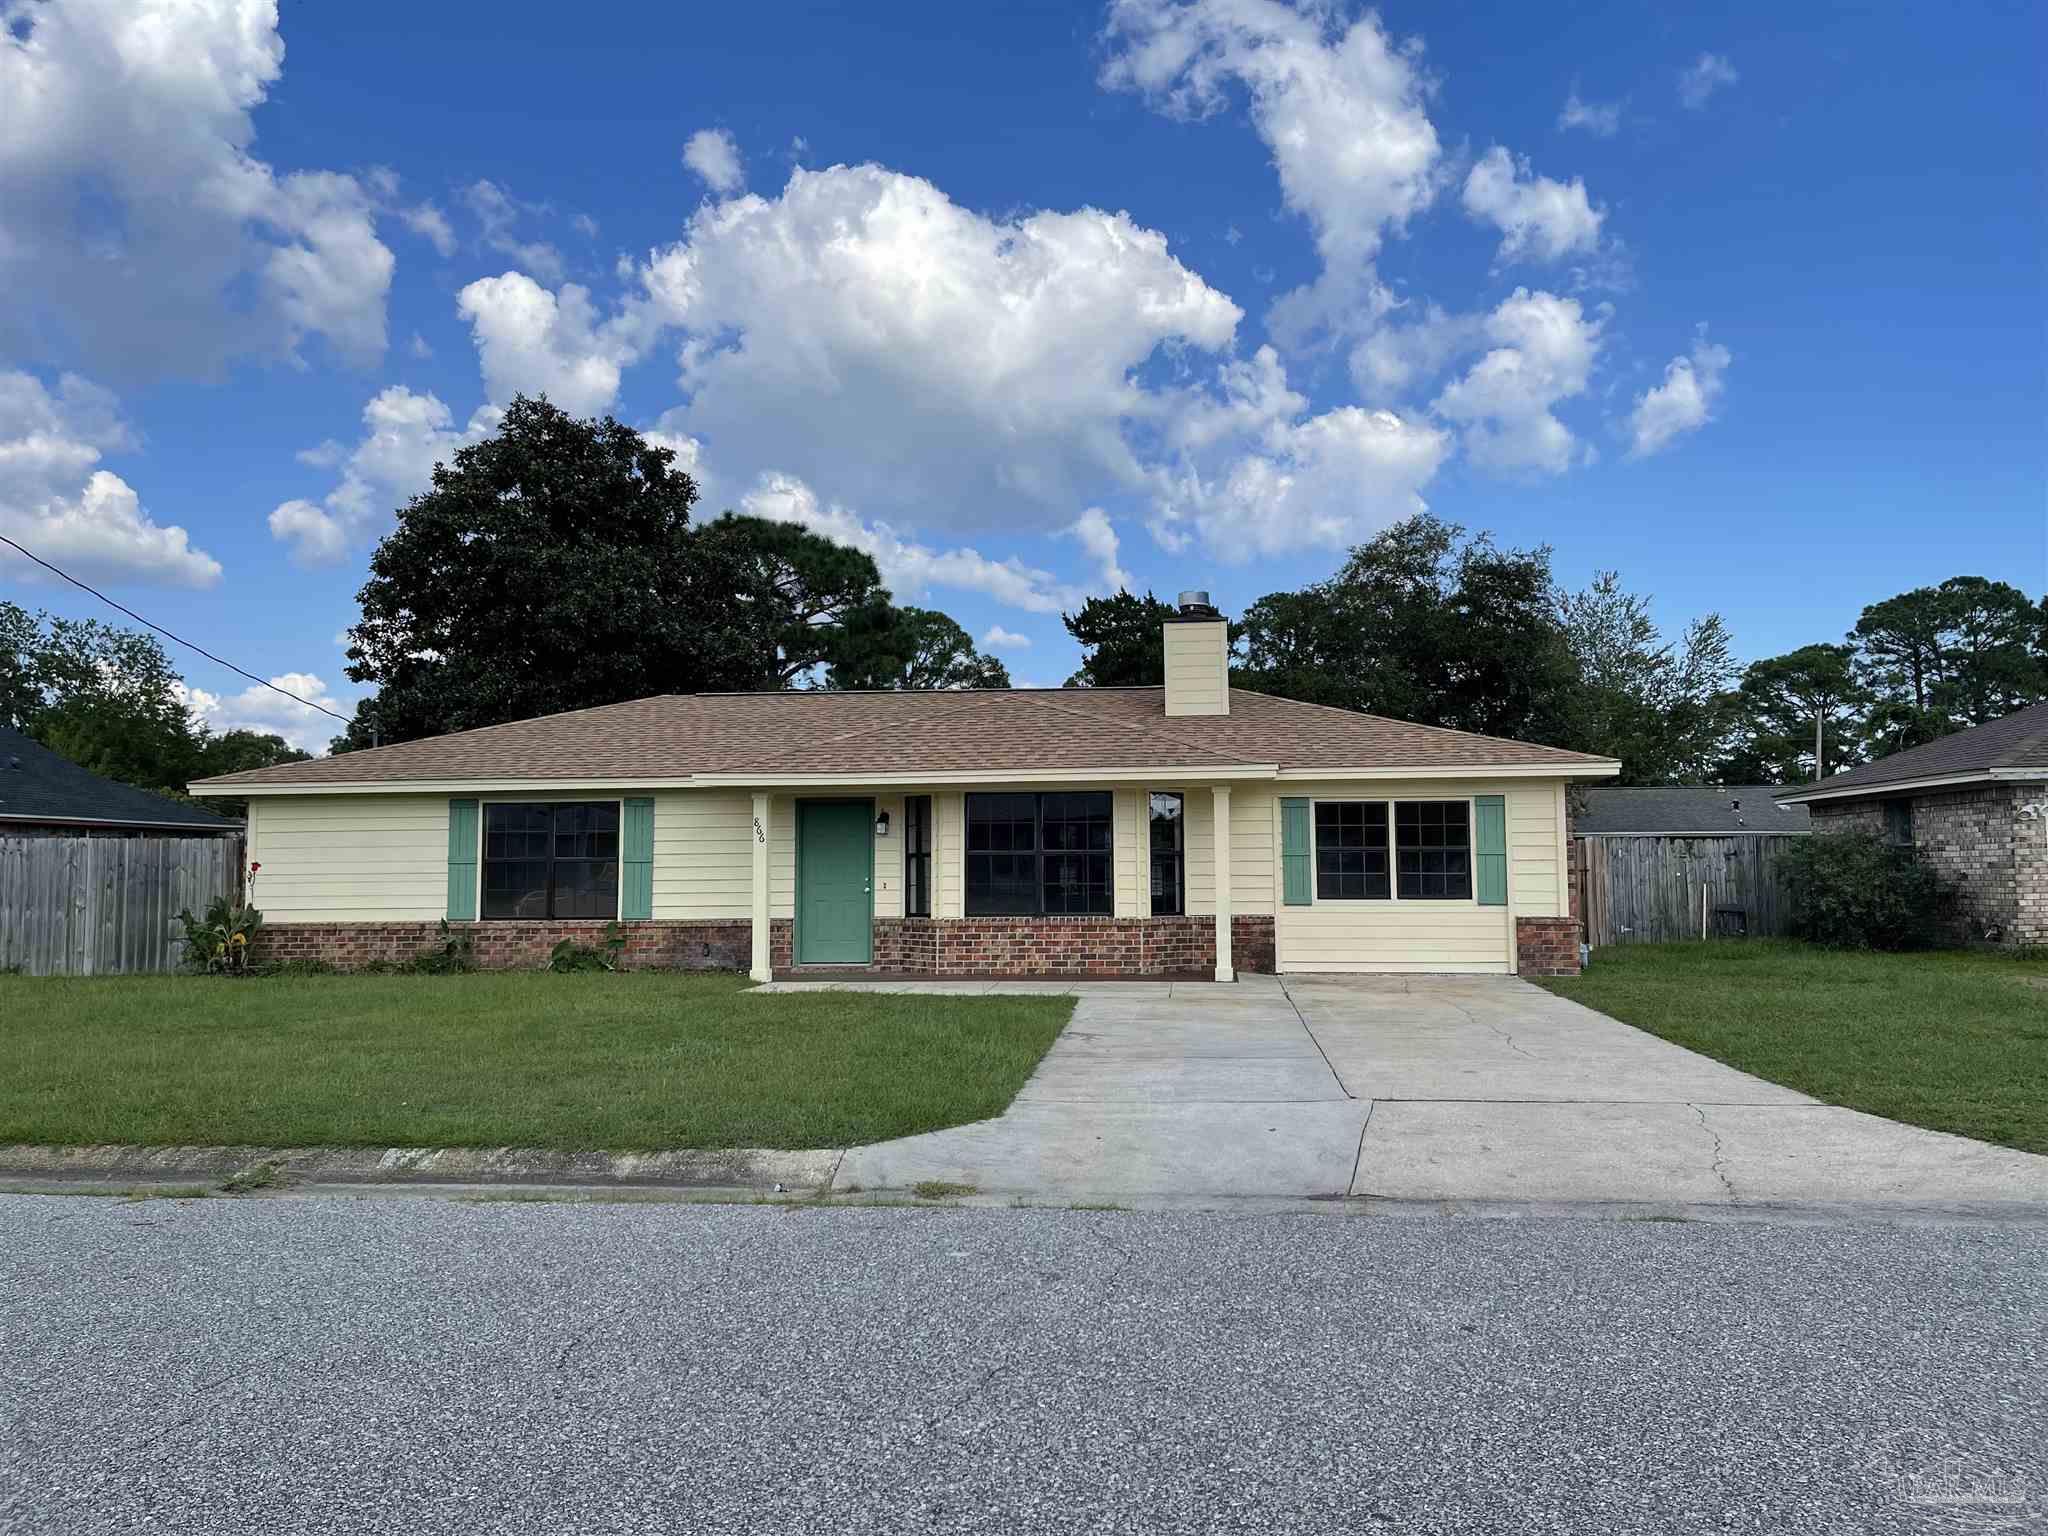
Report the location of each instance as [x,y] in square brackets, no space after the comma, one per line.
[1031,854]
[1351,850]
[551,860]
[1433,850]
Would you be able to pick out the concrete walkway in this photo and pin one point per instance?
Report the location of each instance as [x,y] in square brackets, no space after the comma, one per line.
[1416,1088]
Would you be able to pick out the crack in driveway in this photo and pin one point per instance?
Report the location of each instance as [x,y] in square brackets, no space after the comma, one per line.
[1720,1169]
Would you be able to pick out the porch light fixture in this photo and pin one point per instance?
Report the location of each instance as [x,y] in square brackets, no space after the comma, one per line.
[882,824]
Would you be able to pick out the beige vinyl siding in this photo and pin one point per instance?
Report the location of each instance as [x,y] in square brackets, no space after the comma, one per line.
[1252,848]
[703,854]
[889,859]
[350,858]
[949,856]
[1429,935]
[1197,670]
[1129,864]
[781,856]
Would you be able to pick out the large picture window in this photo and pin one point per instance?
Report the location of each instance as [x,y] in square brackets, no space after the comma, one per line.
[1032,854]
[1433,850]
[917,856]
[551,860]
[1169,855]
[1351,850]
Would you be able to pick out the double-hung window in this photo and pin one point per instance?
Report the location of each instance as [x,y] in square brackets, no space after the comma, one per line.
[1351,850]
[917,856]
[551,860]
[1033,854]
[1169,855]
[1407,850]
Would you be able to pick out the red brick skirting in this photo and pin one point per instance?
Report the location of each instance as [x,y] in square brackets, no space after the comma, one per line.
[1547,946]
[973,946]
[516,945]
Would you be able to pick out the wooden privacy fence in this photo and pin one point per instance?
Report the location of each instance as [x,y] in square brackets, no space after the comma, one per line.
[105,906]
[1642,889]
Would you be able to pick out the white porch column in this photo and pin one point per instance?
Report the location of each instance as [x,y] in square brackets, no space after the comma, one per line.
[762,969]
[1221,833]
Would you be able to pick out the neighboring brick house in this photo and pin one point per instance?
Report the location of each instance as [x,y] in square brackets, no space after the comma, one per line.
[1193,829]
[1975,807]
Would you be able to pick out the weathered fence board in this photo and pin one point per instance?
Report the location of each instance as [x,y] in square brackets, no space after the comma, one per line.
[1645,889]
[104,906]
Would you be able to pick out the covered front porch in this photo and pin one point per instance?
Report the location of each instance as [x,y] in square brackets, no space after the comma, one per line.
[1032,877]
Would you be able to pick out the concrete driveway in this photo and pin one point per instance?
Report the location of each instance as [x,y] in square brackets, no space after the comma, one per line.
[1419,1088]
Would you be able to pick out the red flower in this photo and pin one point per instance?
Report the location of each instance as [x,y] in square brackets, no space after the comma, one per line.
[254,867]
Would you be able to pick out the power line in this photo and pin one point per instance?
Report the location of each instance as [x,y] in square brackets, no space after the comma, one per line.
[188,644]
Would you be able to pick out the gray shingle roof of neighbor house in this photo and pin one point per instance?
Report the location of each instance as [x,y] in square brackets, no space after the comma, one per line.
[2013,746]
[733,735]
[1725,810]
[38,786]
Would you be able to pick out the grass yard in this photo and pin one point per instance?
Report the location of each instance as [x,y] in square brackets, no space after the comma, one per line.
[1953,1040]
[617,1062]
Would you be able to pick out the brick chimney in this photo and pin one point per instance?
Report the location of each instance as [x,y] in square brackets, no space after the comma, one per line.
[1197,659]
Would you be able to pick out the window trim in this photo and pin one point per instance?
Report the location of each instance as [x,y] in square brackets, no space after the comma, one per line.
[1180,856]
[1393,896]
[1038,851]
[483,817]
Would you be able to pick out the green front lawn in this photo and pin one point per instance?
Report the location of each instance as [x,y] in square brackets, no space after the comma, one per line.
[1953,1040]
[623,1062]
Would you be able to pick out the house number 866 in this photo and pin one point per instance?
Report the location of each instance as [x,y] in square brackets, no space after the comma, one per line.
[760,832]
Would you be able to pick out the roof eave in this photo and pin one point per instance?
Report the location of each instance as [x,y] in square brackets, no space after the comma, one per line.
[212,828]
[1589,770]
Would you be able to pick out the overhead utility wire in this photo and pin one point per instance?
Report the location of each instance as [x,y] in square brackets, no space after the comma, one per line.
[188,644]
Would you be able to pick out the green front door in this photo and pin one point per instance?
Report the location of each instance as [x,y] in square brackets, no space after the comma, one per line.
[835,868]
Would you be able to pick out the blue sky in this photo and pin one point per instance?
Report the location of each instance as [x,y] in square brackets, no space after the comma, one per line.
[1747,303]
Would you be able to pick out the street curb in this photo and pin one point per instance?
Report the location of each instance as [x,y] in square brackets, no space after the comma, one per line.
[741,1169]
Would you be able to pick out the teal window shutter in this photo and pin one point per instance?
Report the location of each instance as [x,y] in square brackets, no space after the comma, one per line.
[1490,848]
[1297,889]
[462,821]
[636,844]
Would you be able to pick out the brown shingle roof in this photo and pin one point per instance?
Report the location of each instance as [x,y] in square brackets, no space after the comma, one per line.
[903,735]
[2018,741]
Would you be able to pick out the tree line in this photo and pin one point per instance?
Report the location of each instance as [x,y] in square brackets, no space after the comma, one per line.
[1424,623]
[556,565]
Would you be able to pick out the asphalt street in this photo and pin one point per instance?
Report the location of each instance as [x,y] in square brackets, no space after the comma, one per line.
[415,1365]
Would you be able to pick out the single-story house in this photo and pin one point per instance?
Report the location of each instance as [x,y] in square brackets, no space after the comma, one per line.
[43,794]
[1975,807]
[1189,829]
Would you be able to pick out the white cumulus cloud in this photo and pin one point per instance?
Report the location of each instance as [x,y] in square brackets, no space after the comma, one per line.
[1705,75]
[1338,102]
[1539,218]
[960,370]
[269,713]
[535,342]
[56,501]
[1098,539]
[910,568]
[1001,639]
[138,234]
[1602,119]
[714,156]
[1326,481]
[404,436]
[1683,403]
[1543,352]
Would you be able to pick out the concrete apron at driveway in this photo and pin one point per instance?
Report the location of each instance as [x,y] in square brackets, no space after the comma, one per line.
[1422,1088]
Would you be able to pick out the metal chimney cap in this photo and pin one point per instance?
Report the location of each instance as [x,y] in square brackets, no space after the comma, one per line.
[1194,600]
